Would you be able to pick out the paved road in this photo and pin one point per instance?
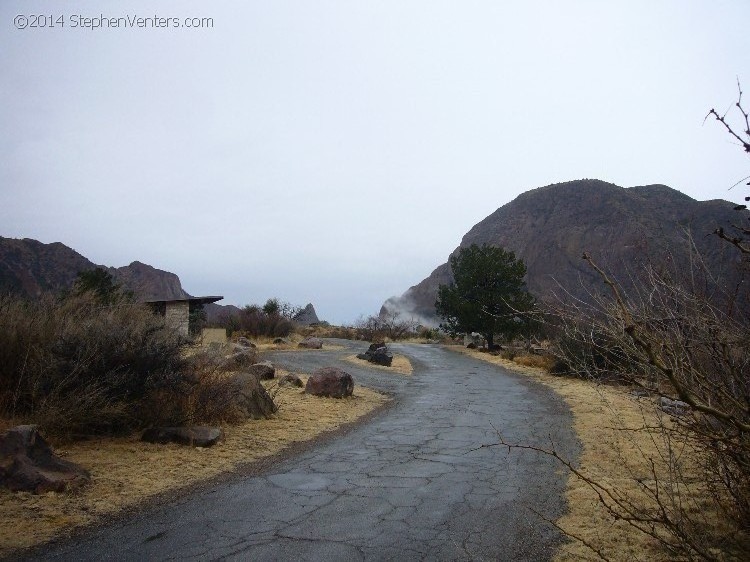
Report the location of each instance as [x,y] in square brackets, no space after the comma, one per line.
[412,484]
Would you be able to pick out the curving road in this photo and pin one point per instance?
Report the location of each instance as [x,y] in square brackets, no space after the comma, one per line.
[412,484]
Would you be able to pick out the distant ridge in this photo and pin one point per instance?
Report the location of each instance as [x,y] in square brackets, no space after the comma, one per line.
[550,227]
[30,268]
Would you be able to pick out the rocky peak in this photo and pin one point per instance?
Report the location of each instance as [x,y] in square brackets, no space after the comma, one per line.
[307,316]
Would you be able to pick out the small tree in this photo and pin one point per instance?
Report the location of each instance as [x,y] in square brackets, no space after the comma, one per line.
[100,282]
[488,294]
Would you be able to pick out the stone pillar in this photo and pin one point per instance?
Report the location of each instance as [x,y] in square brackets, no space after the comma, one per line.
[178,315]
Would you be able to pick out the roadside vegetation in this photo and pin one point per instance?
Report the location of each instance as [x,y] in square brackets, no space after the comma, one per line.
[92,368]
[667,352]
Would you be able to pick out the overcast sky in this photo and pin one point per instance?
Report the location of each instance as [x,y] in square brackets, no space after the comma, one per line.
[336,152]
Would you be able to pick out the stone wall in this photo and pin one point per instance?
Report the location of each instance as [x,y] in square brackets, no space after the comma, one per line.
[178,315]
[214,335]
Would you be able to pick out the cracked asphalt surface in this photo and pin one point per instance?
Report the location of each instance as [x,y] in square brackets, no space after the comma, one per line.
[414,483]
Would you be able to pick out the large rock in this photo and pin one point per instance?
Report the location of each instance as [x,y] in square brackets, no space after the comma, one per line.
[199,436]
[241,359]
[247,396]
[330,381]
[265,371]
[311,343]
[377,354]
[244,342]
[673,407]
[380,357]
[28,464]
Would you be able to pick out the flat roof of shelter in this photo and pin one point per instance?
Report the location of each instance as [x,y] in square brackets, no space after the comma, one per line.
[191,300]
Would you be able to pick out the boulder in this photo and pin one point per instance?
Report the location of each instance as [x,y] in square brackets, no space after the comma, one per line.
[378,354]
[673,407]
[244,342]
[241,359]
[291,380]
[28,464]
[199,436]
[265,371]
[279,341]
[330,381]
[381,357]
[247,396]
[311,343]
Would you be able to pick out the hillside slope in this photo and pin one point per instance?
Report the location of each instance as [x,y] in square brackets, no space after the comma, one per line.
[550,228]
[31,268]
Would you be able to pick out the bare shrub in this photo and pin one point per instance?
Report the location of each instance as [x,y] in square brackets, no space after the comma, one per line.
[683,337]
[201,394]
[80,366]
[253,321]
[390,326]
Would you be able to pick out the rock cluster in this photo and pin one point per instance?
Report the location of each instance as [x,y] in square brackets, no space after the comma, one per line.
[28,464]
[378,354]
[673,407]
[330,381]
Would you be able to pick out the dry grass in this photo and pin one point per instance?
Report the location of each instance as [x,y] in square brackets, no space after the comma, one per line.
[544,362]
[126,471]
[292,344]
[611,454]
[400,364]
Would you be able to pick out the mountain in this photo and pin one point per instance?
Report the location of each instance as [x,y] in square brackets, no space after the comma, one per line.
[551,227]
[30,268]
[307,316]
[148,282]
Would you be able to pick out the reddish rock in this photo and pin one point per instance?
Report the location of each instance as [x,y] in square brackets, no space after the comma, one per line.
[330,381]
[28,464]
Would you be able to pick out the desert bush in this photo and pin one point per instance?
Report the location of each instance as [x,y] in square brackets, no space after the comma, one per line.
[390,326]
[253,321]
[81,365]
[201,394]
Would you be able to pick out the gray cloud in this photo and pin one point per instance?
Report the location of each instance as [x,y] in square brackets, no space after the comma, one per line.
[335,152]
